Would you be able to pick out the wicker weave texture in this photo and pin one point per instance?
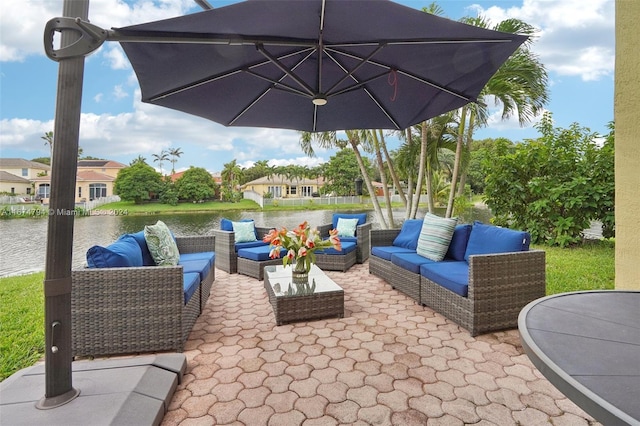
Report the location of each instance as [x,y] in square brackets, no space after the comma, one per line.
[336,262]
[380,268]
[305,308]
[405,281]
[255,268]
[132,310]
[500,285]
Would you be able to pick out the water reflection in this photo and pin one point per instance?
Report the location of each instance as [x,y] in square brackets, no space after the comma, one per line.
[24,241]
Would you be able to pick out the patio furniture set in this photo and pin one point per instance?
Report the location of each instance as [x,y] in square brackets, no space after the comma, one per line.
[487,274]
[125,303]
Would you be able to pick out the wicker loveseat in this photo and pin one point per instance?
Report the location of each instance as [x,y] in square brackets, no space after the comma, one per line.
[480,287]
[123,310]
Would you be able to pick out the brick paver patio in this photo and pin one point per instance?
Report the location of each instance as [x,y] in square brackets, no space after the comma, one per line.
[389,361]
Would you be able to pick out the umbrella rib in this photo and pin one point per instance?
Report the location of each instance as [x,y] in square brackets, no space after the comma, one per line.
[373,98]
[357,67]
[275,83]
[406,73]
[284,69]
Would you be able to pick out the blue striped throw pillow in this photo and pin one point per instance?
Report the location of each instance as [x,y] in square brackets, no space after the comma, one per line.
[435,236]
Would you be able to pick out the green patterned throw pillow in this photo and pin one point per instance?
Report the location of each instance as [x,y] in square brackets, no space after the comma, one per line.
[245,231]
[347,227]
[161,244]
[435,236]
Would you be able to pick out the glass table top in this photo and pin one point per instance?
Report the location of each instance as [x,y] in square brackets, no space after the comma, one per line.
[279,279]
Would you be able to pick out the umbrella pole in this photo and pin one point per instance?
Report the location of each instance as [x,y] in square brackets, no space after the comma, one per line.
[57,282]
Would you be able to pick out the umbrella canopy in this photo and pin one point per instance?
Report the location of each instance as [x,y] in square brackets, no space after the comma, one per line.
[314,65]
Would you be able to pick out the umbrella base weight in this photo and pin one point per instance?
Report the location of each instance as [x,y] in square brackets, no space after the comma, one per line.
[136,390]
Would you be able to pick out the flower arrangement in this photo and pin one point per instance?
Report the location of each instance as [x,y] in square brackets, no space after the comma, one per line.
[300,244]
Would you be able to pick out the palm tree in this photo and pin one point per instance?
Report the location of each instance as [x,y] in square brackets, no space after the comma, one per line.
[138,160]
[520,85]
[175,153]
[160,158]
[48,138]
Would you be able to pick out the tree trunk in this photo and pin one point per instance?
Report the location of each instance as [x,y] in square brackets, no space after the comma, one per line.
[421,169]
[383,177]
[367,181]
[456,163]
[469,139]
[409,205]
[392,170]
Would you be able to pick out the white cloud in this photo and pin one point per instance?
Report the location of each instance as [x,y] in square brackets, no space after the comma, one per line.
[119,93]
[576,38]
[98,98]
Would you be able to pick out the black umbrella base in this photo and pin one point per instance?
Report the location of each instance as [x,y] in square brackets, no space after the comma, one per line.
[121,391]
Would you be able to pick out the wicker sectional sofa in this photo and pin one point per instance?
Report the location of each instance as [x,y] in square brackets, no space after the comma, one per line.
[124,310]
[481,284]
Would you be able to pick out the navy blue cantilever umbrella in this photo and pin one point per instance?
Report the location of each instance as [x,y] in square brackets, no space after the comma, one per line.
[313,65]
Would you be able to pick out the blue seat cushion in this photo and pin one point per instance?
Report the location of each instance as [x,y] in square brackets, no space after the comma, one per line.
[258,254]
[346,248]
[362,219]
[190,283]
[200,266]
[125,252]
[409,234]
[458,245]
[147,259]
[249,244]
[349,240]
[385,252]
[453,276]
[486,239]
[409,261]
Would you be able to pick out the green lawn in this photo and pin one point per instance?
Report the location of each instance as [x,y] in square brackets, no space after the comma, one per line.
[587,267]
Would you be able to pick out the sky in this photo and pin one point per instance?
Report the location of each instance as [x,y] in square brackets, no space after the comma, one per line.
[575,42]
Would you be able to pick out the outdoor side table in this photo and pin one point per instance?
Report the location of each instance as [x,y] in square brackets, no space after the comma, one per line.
[587,344]
[321,298]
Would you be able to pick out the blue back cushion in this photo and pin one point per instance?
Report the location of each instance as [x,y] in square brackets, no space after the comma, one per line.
[409,234]
[458,245]
[147,259]
[486,239]
[125,252]
[362,218]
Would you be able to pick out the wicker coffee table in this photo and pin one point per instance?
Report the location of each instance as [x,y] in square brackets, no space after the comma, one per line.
[321,297]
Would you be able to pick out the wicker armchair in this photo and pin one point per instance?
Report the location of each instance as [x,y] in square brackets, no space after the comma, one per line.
[363,244]
[226,256]
[136,309]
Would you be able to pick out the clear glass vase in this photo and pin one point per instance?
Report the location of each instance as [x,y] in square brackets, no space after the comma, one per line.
[300,273]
